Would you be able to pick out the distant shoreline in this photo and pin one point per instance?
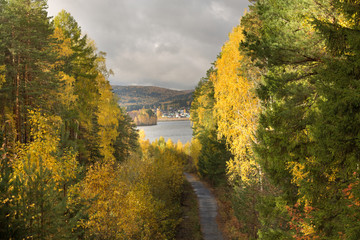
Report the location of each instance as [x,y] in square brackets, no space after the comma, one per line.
[172,119]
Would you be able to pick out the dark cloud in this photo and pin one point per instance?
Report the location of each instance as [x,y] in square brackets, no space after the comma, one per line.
[168,43]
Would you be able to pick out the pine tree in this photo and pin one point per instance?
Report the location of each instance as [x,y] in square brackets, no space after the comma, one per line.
[30,81]
[81,126]
[211,162]
[127,139]
[289,52]
[335,167]
[42,175]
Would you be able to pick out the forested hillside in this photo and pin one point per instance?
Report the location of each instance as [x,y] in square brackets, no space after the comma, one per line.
[138,97]
[277,118]
[71,162]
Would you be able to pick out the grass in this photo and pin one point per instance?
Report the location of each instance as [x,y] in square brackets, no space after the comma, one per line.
[189,228]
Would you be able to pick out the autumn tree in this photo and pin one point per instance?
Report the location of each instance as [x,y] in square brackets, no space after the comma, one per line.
[80,66]
[213,155]
[236,110]
[144,117]
[237,107]
[58,117]
[42,175]
[138,198]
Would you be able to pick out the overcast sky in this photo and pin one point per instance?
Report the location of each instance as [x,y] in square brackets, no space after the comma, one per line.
[166,43]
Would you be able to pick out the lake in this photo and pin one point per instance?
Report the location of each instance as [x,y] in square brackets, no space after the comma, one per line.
[176,130]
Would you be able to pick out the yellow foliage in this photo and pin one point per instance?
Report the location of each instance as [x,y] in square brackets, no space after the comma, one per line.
[42,151]
[195,150]
[41,175]
[179,146]
[187,148]
[298,171]
[137,199]
[66,92]
[2,74]
[236,107]
[108,114]
[203,117]
[169,143]
[62,47]
[101,185]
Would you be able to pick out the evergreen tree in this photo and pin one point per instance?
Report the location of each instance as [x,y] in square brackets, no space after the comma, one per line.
[211,163]
[335,163]
[30,81]
[42,175]
[285,45]
[127,139]
[57,113]
[81,123]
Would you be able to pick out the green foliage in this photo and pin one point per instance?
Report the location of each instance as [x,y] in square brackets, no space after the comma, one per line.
[306,136]
[127,139]
[274,218]
[337,127]
[58,116]
[306,143]
[211,159]
[27,76]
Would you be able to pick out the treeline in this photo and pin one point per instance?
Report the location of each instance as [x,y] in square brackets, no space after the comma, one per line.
[135,98]
[71,165]
[277,117]
[165,105]
[143,117]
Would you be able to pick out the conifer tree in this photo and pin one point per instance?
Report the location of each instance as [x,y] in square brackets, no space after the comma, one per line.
[285,45]
[57,113]
[127,139]
[42,175]
[213,156]
[81,129]
[334,192]
[28,58]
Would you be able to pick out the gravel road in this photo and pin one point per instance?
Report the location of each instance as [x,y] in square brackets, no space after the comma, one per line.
[207,208]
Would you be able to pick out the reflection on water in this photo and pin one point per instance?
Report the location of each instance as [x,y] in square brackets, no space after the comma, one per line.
[176,130]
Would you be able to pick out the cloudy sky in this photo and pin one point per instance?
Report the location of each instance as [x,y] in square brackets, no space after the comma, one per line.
[166,43]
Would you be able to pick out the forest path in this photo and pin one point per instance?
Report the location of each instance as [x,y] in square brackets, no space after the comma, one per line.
[207,209]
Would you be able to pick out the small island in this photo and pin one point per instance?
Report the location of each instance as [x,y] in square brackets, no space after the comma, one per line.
[143,117]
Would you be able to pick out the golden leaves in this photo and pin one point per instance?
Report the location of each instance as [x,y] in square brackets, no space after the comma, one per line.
[136,199]
[42,152]
[237,107]
[2,74]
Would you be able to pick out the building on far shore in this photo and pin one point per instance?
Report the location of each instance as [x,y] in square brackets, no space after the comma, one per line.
[173,113]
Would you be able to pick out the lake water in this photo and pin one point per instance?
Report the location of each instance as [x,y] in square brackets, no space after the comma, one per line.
[176,130]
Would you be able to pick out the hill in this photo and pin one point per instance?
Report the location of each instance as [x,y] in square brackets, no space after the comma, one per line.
[138,97]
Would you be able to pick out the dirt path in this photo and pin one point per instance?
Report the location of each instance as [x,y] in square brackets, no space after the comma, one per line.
[207,209]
